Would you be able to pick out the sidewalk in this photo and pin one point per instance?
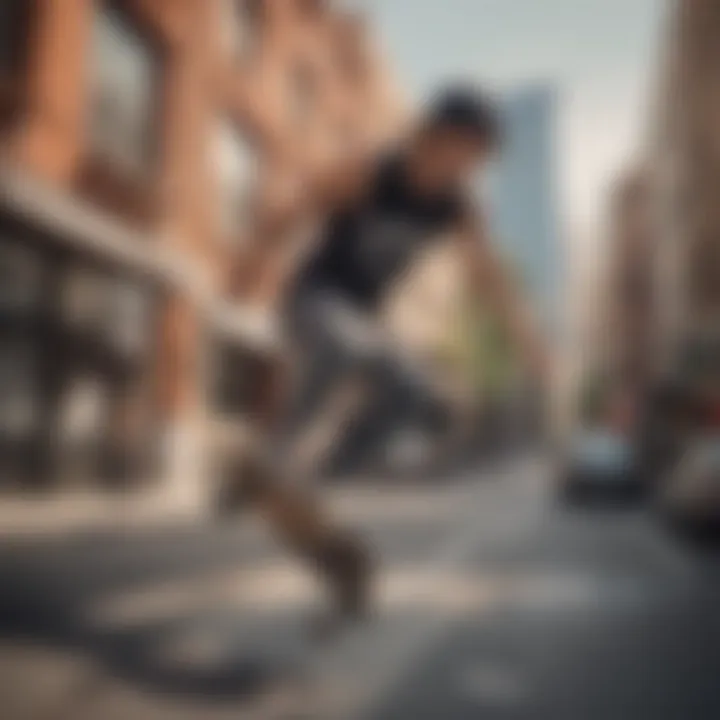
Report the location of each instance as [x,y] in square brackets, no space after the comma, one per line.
[78,511]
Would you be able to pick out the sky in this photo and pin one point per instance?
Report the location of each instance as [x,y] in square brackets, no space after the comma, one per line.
[601,54]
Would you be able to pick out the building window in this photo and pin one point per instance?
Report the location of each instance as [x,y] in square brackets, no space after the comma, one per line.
[17,365]
[21,297]
[235,163]
[106,422]
[114,312]
[22,309]
[124,88]
[242,22]
[21,278]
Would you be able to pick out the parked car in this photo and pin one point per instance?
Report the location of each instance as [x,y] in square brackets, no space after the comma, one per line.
[680,441]
[599,462]
[689,497]
[666,424]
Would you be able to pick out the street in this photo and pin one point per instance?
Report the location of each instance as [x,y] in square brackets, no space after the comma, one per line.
[493,602]
[248,243]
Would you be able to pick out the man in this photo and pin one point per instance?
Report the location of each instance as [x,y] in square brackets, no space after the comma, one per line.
[379,215]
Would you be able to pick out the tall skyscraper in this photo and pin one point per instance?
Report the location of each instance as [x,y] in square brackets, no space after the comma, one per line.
[524,197]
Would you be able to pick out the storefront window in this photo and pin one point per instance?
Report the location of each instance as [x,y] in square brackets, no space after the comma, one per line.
[18,406]
[107,416]
[20,304]
[20,279]
[112,311]
[21,336]
[77,352]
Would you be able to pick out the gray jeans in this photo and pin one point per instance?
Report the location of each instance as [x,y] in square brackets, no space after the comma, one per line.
[331,341]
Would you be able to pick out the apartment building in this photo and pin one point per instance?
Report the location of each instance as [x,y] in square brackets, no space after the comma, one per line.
[629,289]
[685,159]
[138,141]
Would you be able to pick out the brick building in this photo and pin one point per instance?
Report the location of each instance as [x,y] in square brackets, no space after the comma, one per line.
[660,292]
[138,141]
[685,157]
[628,289]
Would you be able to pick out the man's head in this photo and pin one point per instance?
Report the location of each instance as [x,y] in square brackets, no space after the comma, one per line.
[458,133]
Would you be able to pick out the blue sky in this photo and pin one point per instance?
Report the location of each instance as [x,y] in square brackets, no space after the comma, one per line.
[601,54]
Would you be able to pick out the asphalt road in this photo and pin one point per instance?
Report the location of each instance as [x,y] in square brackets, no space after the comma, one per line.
[493,602]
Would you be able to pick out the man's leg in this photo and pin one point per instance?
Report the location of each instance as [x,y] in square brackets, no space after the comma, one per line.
[292,510]
[401,391]
[314,382]
[300,521]
[338,339]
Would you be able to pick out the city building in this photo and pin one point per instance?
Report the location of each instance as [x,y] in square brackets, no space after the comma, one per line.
[139,139]
[628,292]
[684,152]
[524,197]
[659,295]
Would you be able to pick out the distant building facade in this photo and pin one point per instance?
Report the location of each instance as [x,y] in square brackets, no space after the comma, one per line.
[685,158]
[524,197]
[138,140]
[629,292]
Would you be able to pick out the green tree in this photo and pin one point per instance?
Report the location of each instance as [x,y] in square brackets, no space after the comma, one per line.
[478,346]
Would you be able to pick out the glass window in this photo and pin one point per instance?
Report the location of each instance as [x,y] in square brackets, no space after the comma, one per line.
[130,315]
[124,74]
[83,299]
[22,300]
[236,166]
[20,279]
[18,396]
[83,411]
[116,311]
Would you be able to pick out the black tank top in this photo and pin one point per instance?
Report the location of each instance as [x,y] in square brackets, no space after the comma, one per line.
[364,249]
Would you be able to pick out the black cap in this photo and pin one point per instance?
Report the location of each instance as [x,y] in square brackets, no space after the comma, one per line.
[467,110]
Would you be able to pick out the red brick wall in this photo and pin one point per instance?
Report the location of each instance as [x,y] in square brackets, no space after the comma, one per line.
[353,98]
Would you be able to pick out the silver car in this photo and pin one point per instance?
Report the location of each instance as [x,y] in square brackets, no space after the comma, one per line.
[598,461]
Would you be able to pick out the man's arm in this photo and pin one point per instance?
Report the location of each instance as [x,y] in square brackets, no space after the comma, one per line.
[319,194]
[490,283]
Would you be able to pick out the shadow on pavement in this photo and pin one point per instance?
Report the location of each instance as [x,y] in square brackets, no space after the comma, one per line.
[45,600]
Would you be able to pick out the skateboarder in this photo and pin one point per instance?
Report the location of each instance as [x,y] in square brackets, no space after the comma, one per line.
[379,213]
